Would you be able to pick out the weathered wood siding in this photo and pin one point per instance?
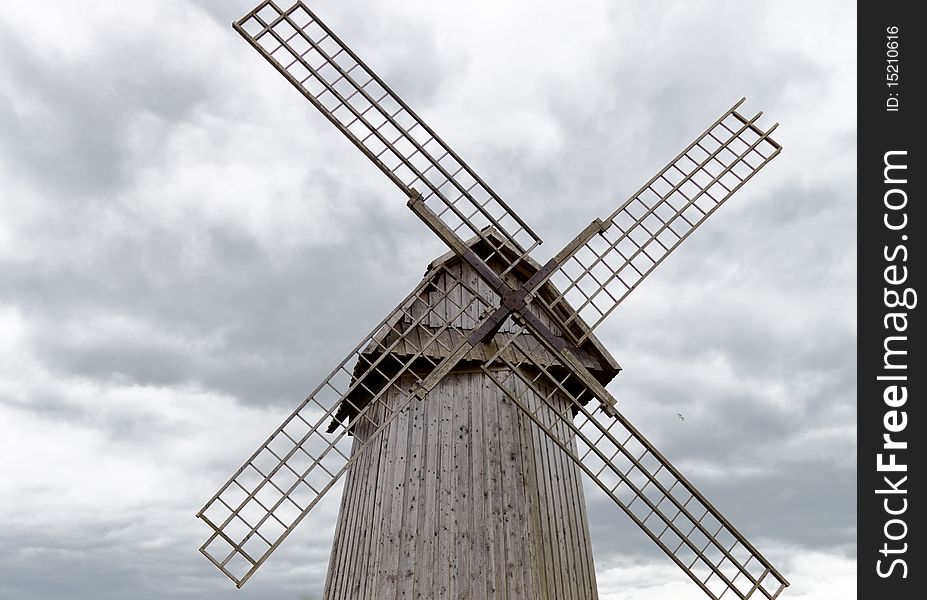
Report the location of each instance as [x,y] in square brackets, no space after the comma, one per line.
[444,303]
[457,309]
[462,497]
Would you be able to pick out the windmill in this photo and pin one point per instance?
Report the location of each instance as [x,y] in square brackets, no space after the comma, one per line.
[463,422]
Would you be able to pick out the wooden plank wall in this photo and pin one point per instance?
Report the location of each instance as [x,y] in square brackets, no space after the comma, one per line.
[463,497]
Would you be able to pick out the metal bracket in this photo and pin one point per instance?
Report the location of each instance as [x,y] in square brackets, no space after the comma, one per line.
[514,299]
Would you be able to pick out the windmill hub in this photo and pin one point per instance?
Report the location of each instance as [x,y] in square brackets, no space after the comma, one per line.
[460,425]
[514,300]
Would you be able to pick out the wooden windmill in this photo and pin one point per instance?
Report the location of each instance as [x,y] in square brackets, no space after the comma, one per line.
[463,422]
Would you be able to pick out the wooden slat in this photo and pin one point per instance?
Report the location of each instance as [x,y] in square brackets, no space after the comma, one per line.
[494,483]
[443,521]
[465,498]
[463,522]
[408,560]
[479,513]
[510,471]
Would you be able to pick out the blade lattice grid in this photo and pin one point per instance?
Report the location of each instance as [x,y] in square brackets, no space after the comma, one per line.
[380,124]
[633,473]
[290,472]
[643,231]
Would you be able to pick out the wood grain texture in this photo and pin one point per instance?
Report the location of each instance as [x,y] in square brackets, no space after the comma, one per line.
[446,309]
[464,498]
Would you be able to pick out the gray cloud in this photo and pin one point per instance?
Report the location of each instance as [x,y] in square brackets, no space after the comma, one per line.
[187,248]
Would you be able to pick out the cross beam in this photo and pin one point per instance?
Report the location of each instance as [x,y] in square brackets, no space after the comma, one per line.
[514,302]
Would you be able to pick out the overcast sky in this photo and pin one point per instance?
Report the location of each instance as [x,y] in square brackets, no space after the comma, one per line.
[187,247]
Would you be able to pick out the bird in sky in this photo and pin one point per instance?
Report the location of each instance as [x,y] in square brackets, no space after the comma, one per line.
[681,418]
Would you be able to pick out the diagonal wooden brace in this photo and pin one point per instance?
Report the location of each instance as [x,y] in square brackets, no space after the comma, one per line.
[514,301]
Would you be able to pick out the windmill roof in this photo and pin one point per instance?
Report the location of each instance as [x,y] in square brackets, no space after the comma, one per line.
[527,267]
[406,338]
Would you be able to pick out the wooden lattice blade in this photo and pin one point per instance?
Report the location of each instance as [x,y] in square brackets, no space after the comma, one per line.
[637,477]
[285,478]
[335,80]
[604,264]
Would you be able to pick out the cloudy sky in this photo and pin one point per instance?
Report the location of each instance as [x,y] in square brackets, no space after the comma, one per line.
[187,247]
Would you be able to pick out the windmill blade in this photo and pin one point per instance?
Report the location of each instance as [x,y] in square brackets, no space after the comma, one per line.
[337,82]
[635,475]
[599,268]
[285,478]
